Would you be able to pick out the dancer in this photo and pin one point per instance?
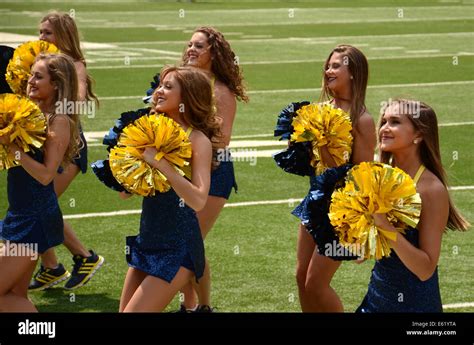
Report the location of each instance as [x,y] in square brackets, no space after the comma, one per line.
[34,222]
[344,85]
[407,281]
[61,30]
[209,51]
[169,250]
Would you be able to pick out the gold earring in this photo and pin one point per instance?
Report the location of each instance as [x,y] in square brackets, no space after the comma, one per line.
[415,141]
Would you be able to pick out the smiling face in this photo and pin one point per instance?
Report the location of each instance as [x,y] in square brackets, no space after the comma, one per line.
[40,88]
[167,97]
[337,75]
[397,132]
[198,52]
[46,32]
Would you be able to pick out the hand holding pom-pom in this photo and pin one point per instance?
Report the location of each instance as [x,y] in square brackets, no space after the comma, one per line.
[375,194]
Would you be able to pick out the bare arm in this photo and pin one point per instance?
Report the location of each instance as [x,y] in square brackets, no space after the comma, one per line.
[55,146]
[193,193]
[82,79]
[422,261]
[365,139]
[226,109]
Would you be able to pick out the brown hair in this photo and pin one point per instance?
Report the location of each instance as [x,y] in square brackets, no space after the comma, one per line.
[63,75]
[359,69]
[67,39]
[198,100]
[426,123]
[224,64]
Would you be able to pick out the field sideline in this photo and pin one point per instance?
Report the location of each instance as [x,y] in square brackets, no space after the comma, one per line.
[419,49]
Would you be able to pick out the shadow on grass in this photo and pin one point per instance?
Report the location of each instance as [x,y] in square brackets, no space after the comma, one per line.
[60,300]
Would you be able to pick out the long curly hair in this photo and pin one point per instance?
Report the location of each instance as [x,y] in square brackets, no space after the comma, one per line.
[198,101]
[224,62]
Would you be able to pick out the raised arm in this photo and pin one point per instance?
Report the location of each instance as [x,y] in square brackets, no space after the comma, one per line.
[193,193]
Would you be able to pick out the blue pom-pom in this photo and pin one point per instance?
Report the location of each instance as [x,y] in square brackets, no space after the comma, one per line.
[313,210]
[111,138]
[154,84]
[101,169]
[296,159]
[285,118]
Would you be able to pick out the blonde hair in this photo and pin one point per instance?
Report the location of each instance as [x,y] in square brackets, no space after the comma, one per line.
[67,40]
[63,76]
[426,123]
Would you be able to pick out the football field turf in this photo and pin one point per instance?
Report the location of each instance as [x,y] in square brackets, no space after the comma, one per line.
[418,49]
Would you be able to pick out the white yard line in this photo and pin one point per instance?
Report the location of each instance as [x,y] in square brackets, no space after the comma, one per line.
[257,92]
[458,305]
[291,203]
[273,62]
[323,40]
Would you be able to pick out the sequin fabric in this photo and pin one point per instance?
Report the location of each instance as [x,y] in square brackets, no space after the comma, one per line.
[394,288]
[223,178]
[313,213]
[169,238]
[33,215]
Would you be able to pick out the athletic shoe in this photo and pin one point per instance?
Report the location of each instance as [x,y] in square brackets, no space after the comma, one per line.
[48,277]
[83,270]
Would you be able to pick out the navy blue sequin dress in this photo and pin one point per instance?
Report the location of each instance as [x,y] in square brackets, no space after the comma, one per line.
[223,177]
[81,159]
[169,238]
[33,217]
[313,213]
[394,288]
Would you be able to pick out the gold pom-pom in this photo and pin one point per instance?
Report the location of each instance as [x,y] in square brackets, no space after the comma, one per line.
[323,124]
[19,67]
[23,123]
[160,132]
[373,188]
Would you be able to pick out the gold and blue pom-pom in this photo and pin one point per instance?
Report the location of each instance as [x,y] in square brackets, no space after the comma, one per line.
[322,124]
[19,67]
[160,132]
[374,188]
[23,123]
[296,158]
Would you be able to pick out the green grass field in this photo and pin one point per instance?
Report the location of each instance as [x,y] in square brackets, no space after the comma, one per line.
[419,49]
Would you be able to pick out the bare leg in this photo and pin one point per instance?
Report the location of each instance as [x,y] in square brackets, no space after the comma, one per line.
[304,252]
[154,294]
[72,243]
[321,296]
[133,279]
[14,290]
[61,183]
[207,217]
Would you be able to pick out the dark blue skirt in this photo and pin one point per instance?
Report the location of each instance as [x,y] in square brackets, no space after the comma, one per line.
[223,178]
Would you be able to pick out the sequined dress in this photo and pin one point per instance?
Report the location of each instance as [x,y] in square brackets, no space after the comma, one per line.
[394,288]
[33,217]
[169,238]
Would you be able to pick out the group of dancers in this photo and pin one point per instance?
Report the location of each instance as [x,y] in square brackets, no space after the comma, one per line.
[167,256]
